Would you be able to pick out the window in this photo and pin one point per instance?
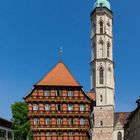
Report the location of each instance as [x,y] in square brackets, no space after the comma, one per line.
[82,108]
[108,49]
[59,121]
[58,107]
[70,121]
[71,133]
[48,133]
[70,107]
[119,136]
[46,93]
[101,98]
[70,93]
[47,107]
[58,93]
[35,107]
[59,133]
[101,123]
[10,135]
[2,133]
[47,121]
[101,75]
[36,121]
[101,43]
[101,27]
[82,121]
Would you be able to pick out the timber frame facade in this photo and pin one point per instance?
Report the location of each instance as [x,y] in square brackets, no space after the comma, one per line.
[59,112]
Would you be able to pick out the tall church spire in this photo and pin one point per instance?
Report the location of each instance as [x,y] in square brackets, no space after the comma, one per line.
[102,69]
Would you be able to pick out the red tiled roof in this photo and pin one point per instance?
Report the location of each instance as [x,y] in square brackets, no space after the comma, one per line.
[91,95]
[121,117]
[58,76]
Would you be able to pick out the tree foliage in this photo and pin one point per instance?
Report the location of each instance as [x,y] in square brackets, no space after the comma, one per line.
[20,121]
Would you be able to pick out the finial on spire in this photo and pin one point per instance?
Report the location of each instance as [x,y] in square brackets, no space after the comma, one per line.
[60,53]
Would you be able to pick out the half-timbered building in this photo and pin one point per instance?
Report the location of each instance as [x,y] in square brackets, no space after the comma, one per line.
[59,109]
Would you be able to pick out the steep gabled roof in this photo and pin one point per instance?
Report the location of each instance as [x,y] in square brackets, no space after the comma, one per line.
[58,76]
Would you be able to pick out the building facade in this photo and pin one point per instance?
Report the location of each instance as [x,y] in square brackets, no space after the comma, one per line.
[59,109]
[6,132]
[102,70]
[119,121]
[132,126]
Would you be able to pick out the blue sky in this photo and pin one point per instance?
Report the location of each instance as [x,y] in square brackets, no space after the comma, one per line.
[32,31]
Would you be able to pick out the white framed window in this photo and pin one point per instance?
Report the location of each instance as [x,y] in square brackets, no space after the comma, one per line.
[48,121]
[71,133]
[70,121]
[35,107]
[70,107]
[70,93]
[82,121]
[59,133]
[36,121]
[46,93]
[58,107]
[48,133]
[59,121]
[82,108]
[58,93]
[47,107]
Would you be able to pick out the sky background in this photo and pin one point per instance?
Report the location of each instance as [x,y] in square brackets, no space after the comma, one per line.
[32,31]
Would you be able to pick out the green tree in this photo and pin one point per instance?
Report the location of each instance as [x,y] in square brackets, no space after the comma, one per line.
[21,126]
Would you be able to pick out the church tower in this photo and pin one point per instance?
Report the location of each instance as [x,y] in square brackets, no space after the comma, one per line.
[102,69]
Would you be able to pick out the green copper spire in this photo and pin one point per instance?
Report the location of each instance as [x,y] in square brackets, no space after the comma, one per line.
[102,3]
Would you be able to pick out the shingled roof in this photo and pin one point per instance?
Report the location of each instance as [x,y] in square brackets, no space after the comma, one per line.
[58,76]
[121,117]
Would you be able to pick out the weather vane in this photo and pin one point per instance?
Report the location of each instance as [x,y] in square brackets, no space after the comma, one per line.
[60,53]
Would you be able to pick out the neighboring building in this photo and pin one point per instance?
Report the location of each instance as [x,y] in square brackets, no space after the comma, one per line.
[59,109]
[6,132]
[132,126]
[119,121]
[102,69]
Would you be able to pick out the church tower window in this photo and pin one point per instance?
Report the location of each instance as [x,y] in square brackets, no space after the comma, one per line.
[101,75]
[119,136]
[108,49]
[101,27]
[101,123]
[101,97]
